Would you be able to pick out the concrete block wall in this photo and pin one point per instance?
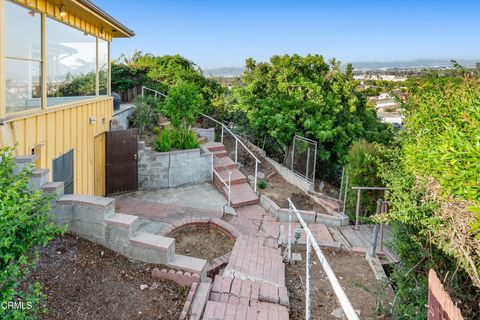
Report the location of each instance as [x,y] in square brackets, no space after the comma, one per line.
[209,133]
[282,214]
[172,169]
[94,219]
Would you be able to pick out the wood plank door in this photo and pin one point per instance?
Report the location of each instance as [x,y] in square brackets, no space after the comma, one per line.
[121,161]
[100,163]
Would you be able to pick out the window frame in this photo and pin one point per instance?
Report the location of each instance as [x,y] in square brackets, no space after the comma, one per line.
[43,82]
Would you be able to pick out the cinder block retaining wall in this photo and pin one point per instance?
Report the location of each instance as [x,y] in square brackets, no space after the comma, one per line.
[282,214]
[172,169]
[94,218]
[209,133]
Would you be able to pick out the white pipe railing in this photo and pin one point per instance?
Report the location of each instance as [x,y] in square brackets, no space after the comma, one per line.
[337,288]
[237,142]
[228,186]
[157,93]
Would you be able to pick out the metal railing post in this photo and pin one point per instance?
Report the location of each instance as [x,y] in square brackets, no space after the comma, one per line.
[289,240]
[230,188]
[308,162]
[357,209]
[256,172]
[341,184]
[221,138]
[293,154]
[375,239]
[143,91]
[236,150]
[345,303]
[307,280]
[345,198]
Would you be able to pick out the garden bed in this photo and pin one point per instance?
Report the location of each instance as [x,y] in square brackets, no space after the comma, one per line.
[366,294]
[84,280]
[279,190]
[202,242]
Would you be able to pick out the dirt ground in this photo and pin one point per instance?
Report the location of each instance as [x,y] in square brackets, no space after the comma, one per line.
[278,189]
[366,294]
[84,280]
[202,242]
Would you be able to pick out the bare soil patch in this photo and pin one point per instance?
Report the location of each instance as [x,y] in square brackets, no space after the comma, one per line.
[84,280]
[364,291]
[279,189]
[202,242]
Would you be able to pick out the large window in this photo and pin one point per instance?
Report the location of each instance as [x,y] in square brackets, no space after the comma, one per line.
[103,67]
[76,63]
[23,61]
[71,64]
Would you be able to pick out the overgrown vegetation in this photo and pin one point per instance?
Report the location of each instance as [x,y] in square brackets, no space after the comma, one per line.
[307,96]
[363,171]
[434,185]
[25,224]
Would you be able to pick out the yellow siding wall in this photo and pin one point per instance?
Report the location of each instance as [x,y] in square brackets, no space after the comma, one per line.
[58,131]
[51,10]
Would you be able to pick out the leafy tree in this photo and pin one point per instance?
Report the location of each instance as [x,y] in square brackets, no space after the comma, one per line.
[307,96]
[183,105]
[25,224]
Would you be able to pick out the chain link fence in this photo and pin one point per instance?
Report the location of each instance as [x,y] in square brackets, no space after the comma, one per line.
[302,158]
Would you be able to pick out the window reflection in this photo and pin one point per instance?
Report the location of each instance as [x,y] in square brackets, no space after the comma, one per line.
[103,66]
[71,64]
[22,58]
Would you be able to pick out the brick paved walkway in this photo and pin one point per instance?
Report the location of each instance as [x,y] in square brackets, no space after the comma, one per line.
[252,285]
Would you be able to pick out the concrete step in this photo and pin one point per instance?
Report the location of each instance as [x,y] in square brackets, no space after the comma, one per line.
[241,195]
[238,291]
[190,264]
[236,178]
[220,153]
[251,259]
[202,140]
[220,310]
[119,228]
[152,248]
[214,146]
[223,163]
[200,300]
[38,179]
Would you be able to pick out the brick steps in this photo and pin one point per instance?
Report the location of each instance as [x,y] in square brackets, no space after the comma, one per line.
[223,163]
[236,178]
[220,153]
[220,310]
[241,195]
[241,291]
[214,146]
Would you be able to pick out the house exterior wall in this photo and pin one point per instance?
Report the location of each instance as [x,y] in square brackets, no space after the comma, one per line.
[56,132]
[51,132]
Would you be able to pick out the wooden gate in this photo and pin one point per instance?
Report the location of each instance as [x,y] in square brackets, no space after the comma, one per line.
[121,161]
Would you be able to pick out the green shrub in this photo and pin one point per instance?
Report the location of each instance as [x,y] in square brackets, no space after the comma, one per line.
[363,171]
[186,140]
[25,224]
[262,184]
[176,138]
[164,141]
[156,130]
[145,116]
[183,105]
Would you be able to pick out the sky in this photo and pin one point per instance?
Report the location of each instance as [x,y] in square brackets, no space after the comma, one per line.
[224,33]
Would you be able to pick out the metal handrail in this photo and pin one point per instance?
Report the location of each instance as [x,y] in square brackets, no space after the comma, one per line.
[153,90]
[237,141]
[337,288]
[229,187]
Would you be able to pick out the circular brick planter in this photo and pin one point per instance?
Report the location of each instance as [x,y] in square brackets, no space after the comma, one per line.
[219,225]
